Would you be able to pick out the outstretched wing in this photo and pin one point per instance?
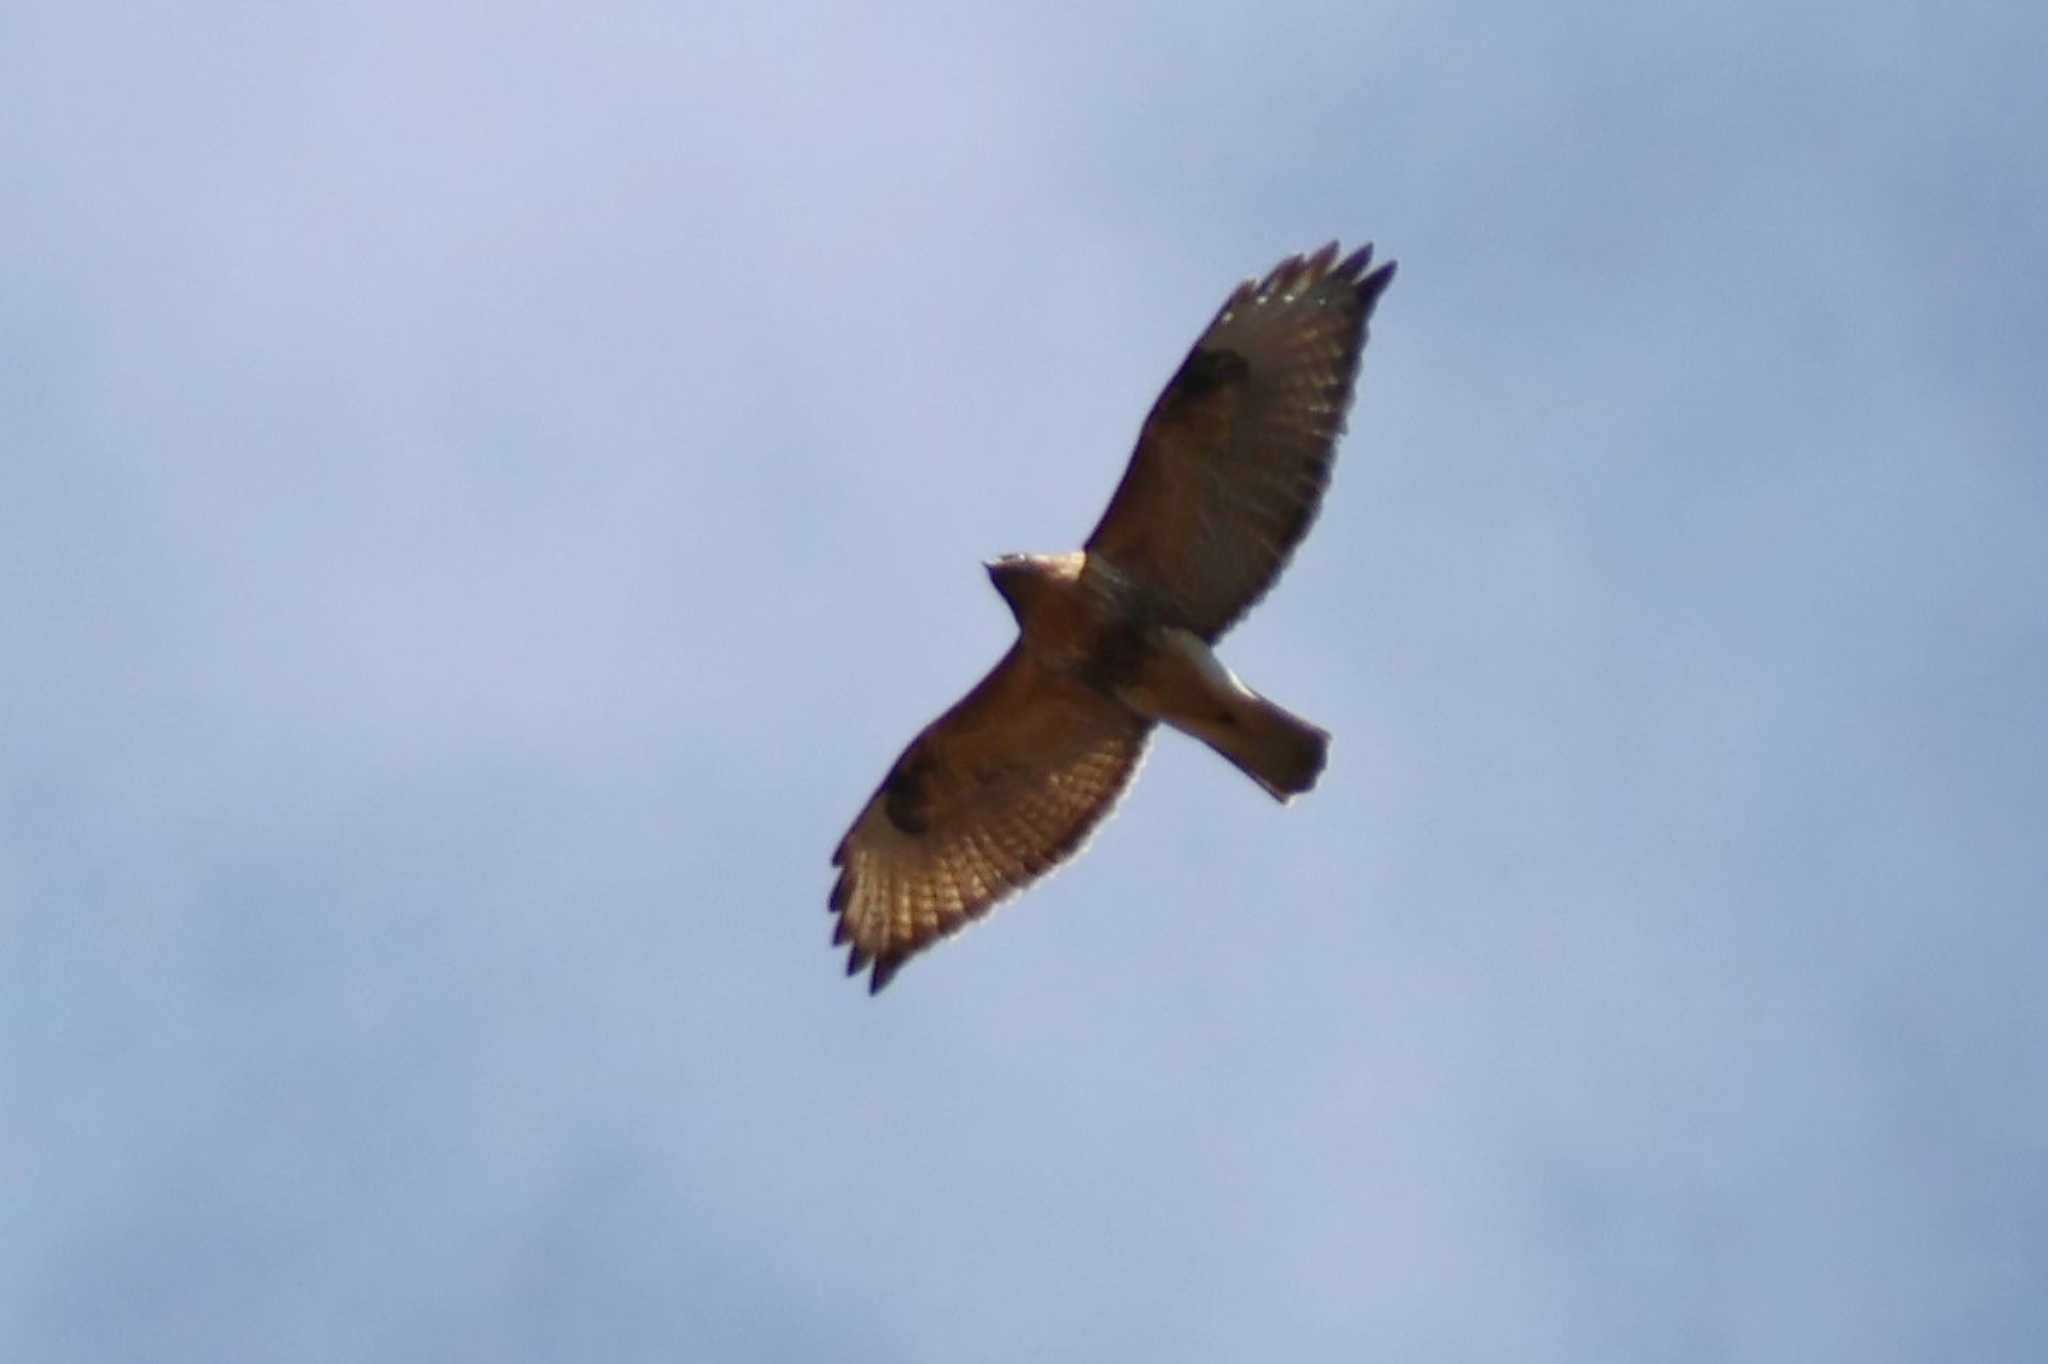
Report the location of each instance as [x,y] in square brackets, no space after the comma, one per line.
[994,794]
[1232,462]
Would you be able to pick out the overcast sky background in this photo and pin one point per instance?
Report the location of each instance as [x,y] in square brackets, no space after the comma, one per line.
[486,490]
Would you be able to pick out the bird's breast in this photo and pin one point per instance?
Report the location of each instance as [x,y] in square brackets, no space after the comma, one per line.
[1089,629]
[1062,625]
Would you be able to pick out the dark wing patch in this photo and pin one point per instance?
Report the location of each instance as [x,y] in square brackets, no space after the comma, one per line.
[907,792]
[1232,462]
[991,796]
[1201,375]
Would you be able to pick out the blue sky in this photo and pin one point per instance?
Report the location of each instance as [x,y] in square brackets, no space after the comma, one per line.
[489,488]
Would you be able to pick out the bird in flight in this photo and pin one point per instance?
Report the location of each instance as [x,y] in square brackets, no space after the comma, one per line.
[1116,637]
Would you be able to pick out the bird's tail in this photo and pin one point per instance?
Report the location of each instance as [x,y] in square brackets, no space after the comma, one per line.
[1181,682]
[1272,745]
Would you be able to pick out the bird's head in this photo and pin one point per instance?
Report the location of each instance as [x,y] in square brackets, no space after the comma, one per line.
[1013,576]
[1021,578]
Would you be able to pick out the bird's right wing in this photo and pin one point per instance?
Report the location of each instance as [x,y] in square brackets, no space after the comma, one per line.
[991,796]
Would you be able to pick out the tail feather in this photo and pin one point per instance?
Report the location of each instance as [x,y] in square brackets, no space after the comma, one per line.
[1276,748]
[1181,682]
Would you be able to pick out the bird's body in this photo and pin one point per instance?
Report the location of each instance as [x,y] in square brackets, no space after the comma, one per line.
[1081,616]
[1116,637]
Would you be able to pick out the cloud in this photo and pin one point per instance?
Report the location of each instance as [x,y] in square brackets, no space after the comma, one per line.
[492,489]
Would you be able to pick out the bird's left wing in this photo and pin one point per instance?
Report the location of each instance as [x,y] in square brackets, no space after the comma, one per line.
[1233,459]
[991,796]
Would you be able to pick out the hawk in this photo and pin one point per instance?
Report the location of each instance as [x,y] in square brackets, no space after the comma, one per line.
[1115,638]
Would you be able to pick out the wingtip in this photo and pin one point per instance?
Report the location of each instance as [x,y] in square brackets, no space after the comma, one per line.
[1354,264]
[859,959]
[1374,284]
[884,972]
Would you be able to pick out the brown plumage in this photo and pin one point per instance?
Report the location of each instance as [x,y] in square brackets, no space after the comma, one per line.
[1229,472]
